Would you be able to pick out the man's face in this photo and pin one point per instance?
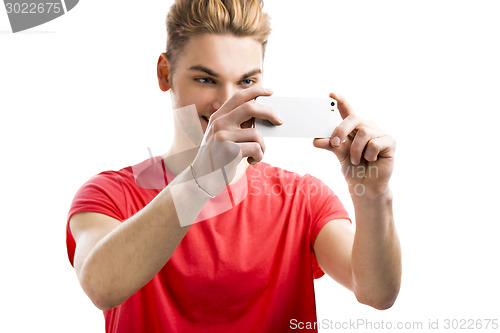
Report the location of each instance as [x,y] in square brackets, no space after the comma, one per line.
[212,68]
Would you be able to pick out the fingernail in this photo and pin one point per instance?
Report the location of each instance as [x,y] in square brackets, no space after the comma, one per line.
[353,161]
[335,141]
[269,90]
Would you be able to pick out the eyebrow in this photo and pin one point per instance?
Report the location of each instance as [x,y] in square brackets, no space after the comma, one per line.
[212,73]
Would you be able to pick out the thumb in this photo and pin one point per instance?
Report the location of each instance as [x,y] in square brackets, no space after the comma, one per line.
[340,150]
[322,143]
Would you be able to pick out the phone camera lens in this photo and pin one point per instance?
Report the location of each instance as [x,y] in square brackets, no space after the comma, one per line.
[332,104]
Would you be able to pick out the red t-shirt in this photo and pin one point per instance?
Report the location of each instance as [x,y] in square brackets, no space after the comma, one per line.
[248,269]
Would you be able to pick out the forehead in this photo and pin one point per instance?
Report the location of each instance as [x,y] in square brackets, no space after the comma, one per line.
[227,55]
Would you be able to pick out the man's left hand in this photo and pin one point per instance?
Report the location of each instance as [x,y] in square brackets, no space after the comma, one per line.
[365,152]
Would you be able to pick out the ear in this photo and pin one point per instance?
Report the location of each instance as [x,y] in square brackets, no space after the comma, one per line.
[163,72]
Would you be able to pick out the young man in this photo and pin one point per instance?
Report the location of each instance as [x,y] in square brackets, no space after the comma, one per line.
[247,267]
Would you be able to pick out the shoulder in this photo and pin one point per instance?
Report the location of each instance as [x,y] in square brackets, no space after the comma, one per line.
[114,188]
[101,190]
[148,174]
[108,180]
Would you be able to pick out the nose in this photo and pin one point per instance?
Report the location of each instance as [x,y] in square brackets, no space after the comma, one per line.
[224,92]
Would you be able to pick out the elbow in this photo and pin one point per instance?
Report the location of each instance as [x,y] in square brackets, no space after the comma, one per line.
[382,304]
[103,298]
[103,303]
[379,301]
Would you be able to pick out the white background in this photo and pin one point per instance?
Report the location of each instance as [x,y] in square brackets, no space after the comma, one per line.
[79,95]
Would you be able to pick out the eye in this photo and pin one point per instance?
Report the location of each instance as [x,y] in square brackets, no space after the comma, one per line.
[247,82]
[204,80]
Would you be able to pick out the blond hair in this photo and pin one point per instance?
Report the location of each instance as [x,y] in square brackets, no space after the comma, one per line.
[241,18]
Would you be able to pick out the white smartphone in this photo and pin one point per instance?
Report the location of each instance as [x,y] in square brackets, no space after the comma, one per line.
[302,117]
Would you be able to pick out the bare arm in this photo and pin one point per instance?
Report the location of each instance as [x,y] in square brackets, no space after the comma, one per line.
[376,252]
[113,260]
[368,262]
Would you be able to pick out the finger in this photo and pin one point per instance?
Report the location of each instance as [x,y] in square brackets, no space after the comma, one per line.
[322,143]
[342,151]
[241,135]
[243,96]
[344,108]
[251,110]
[252,150]
[361,139]
[384,146]
[344,129]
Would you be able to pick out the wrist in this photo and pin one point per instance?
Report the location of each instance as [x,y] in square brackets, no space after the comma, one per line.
[211,182]
[361,192]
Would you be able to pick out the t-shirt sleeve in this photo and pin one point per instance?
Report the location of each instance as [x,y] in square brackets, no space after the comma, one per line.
[324,206]
[101,194]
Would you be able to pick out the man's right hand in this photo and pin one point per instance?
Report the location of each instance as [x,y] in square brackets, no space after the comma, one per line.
[229,137]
